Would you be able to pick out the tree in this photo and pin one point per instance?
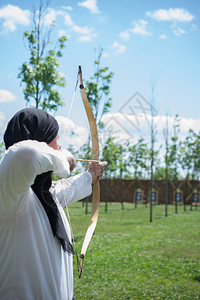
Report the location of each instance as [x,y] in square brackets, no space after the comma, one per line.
[40,74]
[174,154]
[152,151]
[98,90]
[112,155]
[160,173]
[137,157]
[186,153]
[190,150]
[186,159]
[166,136]
[197,154]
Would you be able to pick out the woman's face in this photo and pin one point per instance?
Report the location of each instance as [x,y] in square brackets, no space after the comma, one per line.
[54,143]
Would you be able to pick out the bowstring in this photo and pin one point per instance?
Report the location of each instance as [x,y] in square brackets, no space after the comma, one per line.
[72,101]
[65,200]
[73,96]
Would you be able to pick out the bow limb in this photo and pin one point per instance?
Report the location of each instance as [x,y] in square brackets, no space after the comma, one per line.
[96,188]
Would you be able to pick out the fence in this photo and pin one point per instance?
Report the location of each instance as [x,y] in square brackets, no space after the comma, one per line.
[138,191]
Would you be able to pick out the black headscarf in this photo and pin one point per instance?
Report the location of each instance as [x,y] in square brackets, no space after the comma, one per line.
[36,124]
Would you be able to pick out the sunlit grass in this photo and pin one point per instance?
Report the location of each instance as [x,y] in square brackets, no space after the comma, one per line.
[131,258]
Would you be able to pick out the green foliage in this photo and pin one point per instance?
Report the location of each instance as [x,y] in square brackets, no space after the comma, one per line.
[2,149]
[114,154]
[87,150]
[40,74]
[130,258]
[190,154]
[174,148]
[135,158]
[160,173]
[111,155]
[138,157]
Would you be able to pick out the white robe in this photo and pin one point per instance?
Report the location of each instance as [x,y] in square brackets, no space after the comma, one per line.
[33,265]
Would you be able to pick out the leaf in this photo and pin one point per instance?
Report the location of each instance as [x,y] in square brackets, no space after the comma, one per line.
[40,77]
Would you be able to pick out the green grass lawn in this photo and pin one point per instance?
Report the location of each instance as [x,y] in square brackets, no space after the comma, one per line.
[131,258]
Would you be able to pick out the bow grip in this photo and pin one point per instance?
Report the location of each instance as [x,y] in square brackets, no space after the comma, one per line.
[81,265]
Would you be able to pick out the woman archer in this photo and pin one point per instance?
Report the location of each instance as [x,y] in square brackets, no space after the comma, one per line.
[35,239]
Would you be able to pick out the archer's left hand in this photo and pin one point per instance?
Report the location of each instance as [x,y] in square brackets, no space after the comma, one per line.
[96,171]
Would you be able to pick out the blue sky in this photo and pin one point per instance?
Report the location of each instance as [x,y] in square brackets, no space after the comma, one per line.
[146,43]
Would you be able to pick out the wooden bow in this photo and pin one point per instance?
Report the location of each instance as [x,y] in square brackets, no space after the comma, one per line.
[96,188]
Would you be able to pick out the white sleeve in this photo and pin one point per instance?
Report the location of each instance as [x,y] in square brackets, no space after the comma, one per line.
[69,190]
[22,163]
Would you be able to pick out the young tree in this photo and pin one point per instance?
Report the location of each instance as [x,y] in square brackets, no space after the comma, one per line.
[153,133]
[98,90]
[160,173]
[40,74]
[110,154]
[186,159]
[121,165]
[166,136]
[190,149]
[174,154]
[197,154]
[186,153]
[137,157]
[174,147]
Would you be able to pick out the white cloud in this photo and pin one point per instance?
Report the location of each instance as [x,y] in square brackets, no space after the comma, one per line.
[123,127]
[125,35]
[91,5]
[86,33]
[171,14]
[114,127]
[66,127]
[129,126]
[50,17]
[140,28]
[87,38]
[63,32]
[13,16]
[68,21]
[163,36]
[67,8]
[187,124]
[118,48]
[82,30]
[6,96]
[179,31]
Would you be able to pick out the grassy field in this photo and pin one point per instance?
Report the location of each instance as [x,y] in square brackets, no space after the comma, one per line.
[131,258]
